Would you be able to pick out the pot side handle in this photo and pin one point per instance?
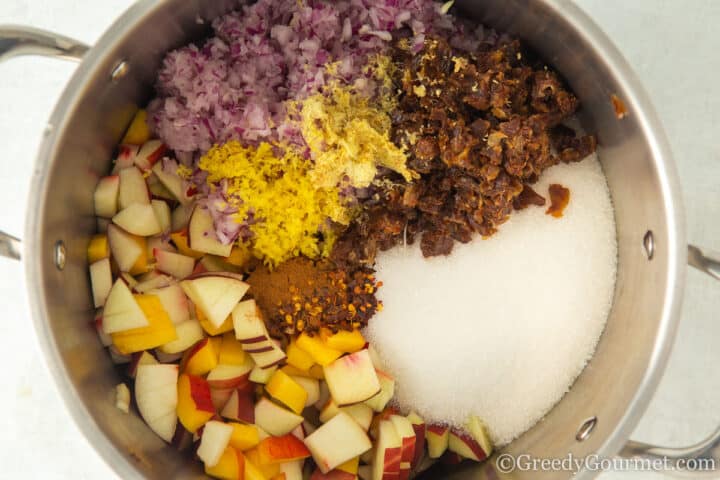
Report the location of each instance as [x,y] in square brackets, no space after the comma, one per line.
[9,246]
[16,41]
[701,460]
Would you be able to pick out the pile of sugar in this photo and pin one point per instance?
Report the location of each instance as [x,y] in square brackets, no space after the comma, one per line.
[503,326]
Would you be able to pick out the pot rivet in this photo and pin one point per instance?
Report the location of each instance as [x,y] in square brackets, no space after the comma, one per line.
[119,71]
[649,244]
[60,255]
[586,429]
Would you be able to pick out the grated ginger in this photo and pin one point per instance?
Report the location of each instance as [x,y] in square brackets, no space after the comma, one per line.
[347,135]
[289,209]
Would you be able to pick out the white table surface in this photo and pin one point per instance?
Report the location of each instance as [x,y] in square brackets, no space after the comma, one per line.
[674,47]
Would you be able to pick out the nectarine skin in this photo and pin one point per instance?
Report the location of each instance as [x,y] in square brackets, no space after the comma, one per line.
[195,407]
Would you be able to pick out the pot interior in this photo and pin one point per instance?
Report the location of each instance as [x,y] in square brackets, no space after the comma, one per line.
[96,109]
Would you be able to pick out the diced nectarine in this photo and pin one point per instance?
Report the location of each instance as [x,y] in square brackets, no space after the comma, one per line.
[292,470]
[321,353]
[180,239]
[437,437]
[287,391]
[317,371]
[188,334]
[351,466]
[252,472]
[231,352]
[281,449]
[328,411]
[201,233]
[106,196]
[311,387]
[387,391]
[419,427]
[149,154]
[478,430]
[159,331]
[248,323]
[231,376]
[138,132]
[268,471]
[215,295]
[298,358]
[128,251]
[275,419]
[261,375]
[240,406]
[194,406]
[405,430]
[339,440]
[231,466]
[201,358]
[388,452]
[139,359]
[212,330]
[98,248]
[244,437]
[156,397]
[335,475]
[352,378]
[345,341]
[239,256]
[214,440]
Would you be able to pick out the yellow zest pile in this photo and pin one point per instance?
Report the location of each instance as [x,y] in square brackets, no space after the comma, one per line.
[272,187]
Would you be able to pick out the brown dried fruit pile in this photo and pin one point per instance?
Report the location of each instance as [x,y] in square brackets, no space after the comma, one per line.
[479,129]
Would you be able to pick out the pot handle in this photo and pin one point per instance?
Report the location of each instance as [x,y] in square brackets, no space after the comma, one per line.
[9,246]
[14,42]
[701,460]
[18,40]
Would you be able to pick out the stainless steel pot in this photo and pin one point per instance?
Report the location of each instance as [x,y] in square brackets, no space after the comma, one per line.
[116,76]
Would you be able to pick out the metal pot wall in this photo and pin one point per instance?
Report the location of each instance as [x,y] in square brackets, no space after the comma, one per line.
[116,76]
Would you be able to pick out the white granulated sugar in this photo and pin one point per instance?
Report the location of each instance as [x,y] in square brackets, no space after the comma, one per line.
[503,326]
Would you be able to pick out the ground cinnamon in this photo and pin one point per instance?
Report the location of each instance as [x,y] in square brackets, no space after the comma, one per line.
[303,295]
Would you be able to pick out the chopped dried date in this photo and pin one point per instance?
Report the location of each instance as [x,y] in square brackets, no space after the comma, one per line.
[528,197]
[479,129]
[559,199]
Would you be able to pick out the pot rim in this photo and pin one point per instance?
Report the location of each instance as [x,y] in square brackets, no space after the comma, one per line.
[631,91]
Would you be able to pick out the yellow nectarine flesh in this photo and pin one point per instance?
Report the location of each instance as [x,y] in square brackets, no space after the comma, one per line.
[321,353]
[244,437]
[351,466]
[194,407]
[231,466]
[141,264]
[180,239]
[138,132]
[201,358]
[239,256]
[298,358]
[231,352]
[252,457]
[345,341]
[287,391]
[281,449]
[159,331]
[212,330]
[98,248]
